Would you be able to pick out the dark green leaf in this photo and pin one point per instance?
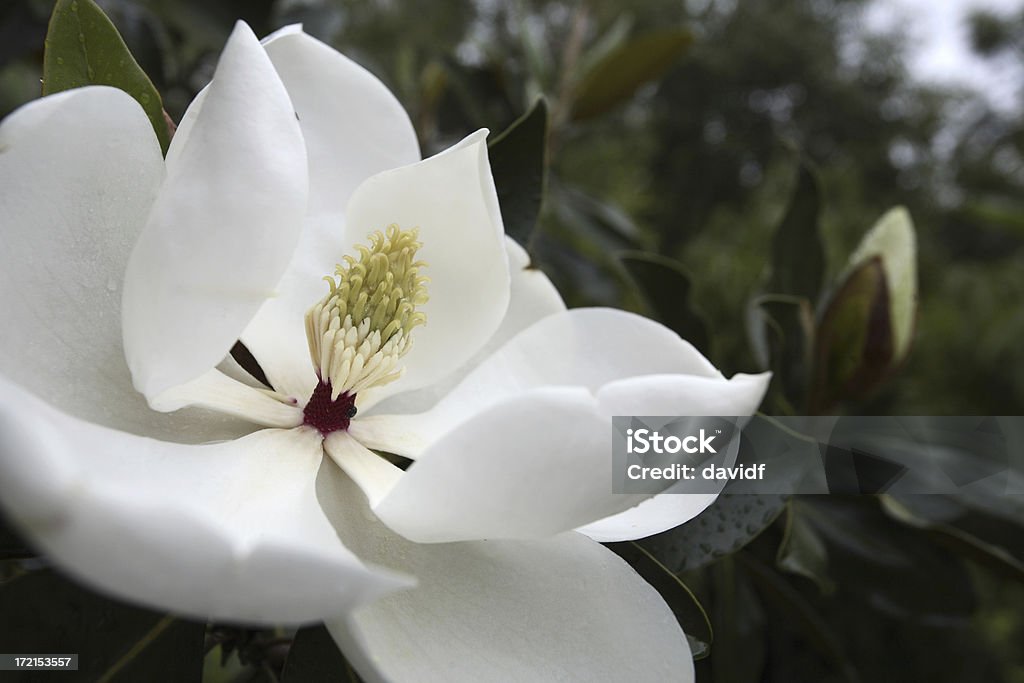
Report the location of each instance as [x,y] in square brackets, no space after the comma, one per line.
[802,551]
[84,48]
[798,257]
[315,658]
[665,287]
[781,329]
[517,162]
[741,638]
[883,563]
[616,77]
[45,613]
[994,557]
[731,522]
[684,605]
[799,615]
[854,339]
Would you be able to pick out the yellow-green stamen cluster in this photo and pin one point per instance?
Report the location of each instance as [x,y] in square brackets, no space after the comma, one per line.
[360,330]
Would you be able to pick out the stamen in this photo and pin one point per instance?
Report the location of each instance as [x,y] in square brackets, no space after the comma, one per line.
[361,328]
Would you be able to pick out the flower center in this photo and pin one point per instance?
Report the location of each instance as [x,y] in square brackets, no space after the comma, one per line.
[361,328]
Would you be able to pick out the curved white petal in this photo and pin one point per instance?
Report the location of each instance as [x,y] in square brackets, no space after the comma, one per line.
[227,531]
[586,347]
[223,227]
[531,466]
[354,128]
[563,608]
[217,391]
[662,512]
[451,198]
[532,298]
[79,171]
[671,395]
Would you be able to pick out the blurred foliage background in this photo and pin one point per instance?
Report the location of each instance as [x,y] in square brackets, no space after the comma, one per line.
[687,135]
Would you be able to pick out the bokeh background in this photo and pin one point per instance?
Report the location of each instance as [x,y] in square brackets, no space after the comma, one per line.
[698,163]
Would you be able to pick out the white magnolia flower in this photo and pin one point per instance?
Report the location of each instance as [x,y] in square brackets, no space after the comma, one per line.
[222,504]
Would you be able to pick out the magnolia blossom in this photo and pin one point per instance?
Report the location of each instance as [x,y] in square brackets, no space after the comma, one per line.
[177,481]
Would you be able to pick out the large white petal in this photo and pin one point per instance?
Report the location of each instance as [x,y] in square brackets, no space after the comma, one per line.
[79,171]
[587,347]
[354,128]
[563,608]
[223,227]
[531,466]
[671,395]
[451,198]
[532,298]
[228,531]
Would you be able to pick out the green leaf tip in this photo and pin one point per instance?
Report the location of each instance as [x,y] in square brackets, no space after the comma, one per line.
[83,47]
[517,157]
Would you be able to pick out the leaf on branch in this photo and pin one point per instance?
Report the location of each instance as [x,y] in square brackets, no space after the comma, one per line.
[798,257]
[84,48]
[666,287]
[614,78]
[517,163]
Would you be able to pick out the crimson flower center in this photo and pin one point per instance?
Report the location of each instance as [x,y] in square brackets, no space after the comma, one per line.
[328,415]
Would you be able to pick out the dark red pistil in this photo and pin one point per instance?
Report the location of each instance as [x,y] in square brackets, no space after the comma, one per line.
[327,415]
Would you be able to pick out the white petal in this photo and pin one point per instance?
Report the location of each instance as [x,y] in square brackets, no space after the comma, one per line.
[662,512]
[217,391]
[451,199]
[671,395]
[374,475]
[228,531]
[562,608]
[532,298]
[354,128]
[582,347]
[223,227]
[79,171]
[528,467]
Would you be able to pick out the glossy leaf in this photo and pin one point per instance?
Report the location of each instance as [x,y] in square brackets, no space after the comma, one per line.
[802,551]
[84,48]
[798,257]
[732,521]
[666,288]
[614,78]
[683,603]
[517,162]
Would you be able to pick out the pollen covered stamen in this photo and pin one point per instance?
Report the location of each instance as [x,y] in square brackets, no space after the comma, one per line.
[360,330]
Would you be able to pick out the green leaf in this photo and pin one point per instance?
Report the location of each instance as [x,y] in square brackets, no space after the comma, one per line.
[615,78]
[781,331]
[892,240]
[799,614]
[854,339]
[84,48]
[315,658]
[802,551]
[798,257]
[44,612]
[665,287]
[730,523]
[517,162]
[992,556]
[684,604]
